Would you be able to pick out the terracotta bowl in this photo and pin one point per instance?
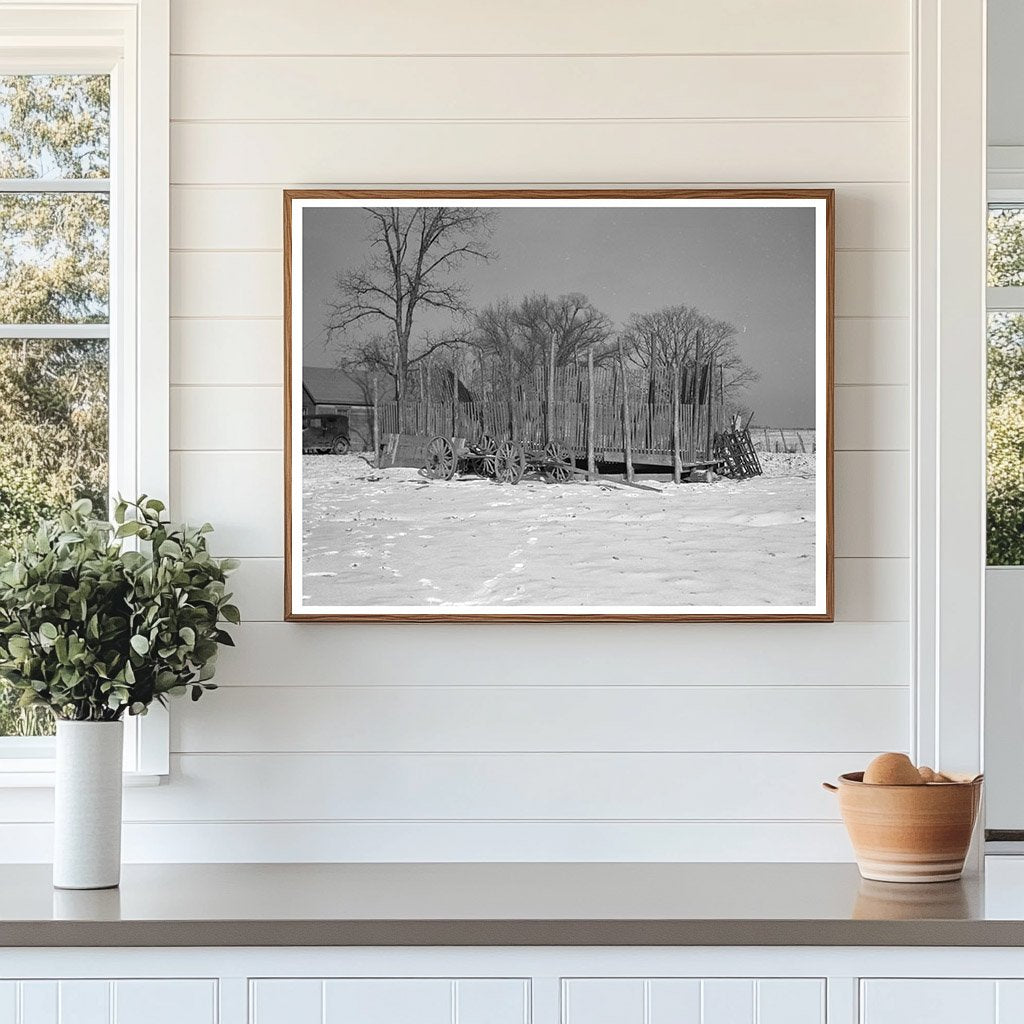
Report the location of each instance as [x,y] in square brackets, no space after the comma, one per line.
[909,833]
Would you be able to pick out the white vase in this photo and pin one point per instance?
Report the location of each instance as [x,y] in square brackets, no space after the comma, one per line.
[87,805]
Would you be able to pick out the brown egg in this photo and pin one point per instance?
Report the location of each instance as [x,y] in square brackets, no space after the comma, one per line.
[893,770]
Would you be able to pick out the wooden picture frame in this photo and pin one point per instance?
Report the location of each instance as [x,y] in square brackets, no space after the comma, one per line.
[309,429]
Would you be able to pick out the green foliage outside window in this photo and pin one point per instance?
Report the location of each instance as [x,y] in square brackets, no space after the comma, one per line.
[54,269]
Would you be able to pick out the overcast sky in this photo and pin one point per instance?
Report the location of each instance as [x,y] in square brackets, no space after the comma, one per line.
[753,267]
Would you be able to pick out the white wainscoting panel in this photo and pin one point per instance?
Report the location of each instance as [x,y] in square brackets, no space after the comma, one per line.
[931,1001]
[99,1001]
[389,1001]
[693,1001]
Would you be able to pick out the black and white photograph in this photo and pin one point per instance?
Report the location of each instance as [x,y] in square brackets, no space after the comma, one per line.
[567,406]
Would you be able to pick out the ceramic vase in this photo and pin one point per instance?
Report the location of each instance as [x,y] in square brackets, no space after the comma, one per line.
[87,805]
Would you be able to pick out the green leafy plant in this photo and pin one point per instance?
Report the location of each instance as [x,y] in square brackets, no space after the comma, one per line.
[92,629]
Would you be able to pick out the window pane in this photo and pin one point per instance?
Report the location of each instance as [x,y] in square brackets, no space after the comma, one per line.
[1005,439]
[54,257]
[54,126]
[1005,246]
[53,449]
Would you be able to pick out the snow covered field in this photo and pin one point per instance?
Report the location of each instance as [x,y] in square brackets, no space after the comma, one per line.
[383,537]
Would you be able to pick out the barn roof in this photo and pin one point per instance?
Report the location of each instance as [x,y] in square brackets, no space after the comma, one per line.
[328,385]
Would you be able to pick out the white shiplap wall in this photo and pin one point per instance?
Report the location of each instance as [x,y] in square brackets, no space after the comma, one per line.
[598,742]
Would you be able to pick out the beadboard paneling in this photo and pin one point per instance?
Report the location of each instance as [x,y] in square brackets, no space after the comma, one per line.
[417,152]
[538,88]
[605,718]
[534,26]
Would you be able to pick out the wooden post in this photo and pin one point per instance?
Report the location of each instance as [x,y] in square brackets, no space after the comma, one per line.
[627,425]
[376,424]
[455,399]
[709,442]
[549,426]
[694,421]
[677,452]
[591,409]
[720,426]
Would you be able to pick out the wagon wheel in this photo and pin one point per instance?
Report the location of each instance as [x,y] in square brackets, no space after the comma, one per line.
[555,451]
[488,449]
[440,462]
[509,463]
[341,445]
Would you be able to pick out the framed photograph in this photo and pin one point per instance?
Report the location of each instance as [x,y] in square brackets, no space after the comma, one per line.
[558,405]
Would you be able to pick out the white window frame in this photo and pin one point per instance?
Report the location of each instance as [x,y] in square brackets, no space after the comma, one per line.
[130,41]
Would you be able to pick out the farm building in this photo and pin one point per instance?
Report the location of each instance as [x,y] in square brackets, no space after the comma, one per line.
[335,400]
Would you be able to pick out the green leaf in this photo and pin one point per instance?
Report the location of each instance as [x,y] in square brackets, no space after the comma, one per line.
[48,630]
[140,644]
[170,549]
[231,613]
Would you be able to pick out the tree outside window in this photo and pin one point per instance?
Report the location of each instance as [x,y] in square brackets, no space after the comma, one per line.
[54,308]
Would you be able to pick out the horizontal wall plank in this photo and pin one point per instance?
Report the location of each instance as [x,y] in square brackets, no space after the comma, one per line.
[873,283]
[868,216]
[872,590]
[631,719]
[227,352]
[258,586]
[872,504]
[536,87]
[536,152]
[535,26]
[376,787]
[867,589]
[239,492]
[461,842]
[233,418]
[872,350]
[872,418]
[234,284]
[577,654]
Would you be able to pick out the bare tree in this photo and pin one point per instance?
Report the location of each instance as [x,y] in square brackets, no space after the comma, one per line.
[413,256]
[664,343]
[541,333]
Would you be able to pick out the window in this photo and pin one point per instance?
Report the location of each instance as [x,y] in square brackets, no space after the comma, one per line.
[84,125]
[1005,478]
[54,309]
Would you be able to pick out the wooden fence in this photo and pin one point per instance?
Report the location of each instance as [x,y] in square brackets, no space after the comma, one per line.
[602,414]
[784,439]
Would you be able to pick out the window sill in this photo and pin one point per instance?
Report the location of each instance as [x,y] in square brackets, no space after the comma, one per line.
[38,773]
